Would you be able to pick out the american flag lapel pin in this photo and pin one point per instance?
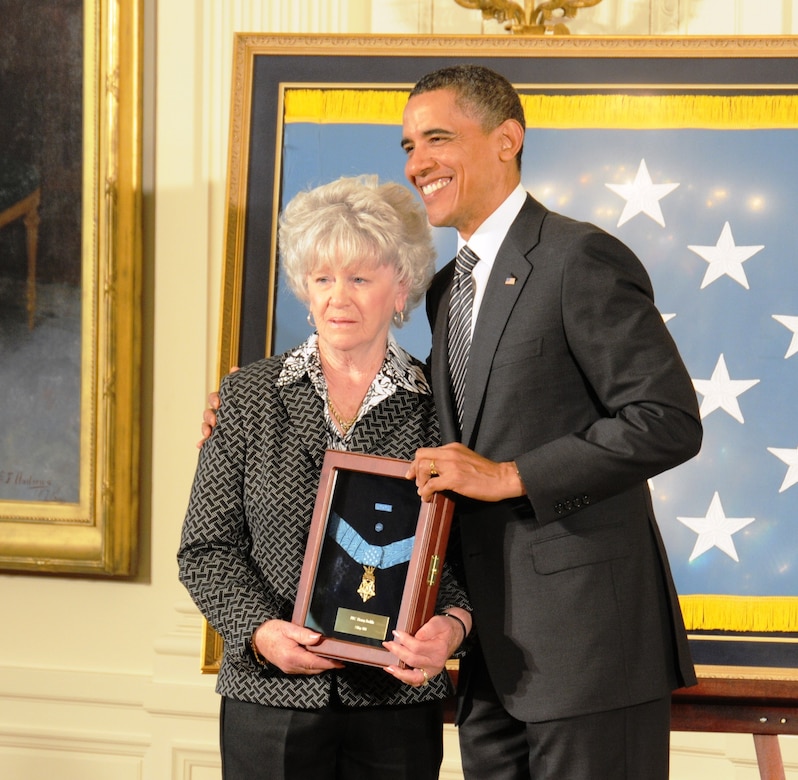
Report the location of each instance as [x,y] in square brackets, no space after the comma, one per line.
[511,280]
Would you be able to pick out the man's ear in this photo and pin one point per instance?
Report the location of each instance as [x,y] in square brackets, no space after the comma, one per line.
[511,139]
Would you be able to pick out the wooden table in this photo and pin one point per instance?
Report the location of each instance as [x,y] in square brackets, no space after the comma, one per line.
[763,708]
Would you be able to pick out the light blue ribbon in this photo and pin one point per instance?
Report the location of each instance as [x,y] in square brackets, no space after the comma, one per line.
[379,556]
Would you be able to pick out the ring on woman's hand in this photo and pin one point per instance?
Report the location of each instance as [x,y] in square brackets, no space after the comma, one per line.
[433,472]
[426,678]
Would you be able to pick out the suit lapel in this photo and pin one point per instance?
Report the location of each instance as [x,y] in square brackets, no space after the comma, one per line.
[386,421]
[304,407]
[441,389]
[510,273]
[382,429]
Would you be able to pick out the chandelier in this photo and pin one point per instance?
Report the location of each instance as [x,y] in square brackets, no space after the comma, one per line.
[546,18]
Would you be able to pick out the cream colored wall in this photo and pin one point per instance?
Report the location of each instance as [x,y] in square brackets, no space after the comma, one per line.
[99,679]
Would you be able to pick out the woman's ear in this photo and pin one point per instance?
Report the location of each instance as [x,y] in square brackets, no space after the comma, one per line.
[400,301]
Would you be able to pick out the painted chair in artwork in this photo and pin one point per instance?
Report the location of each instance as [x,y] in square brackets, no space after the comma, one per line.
[20,194]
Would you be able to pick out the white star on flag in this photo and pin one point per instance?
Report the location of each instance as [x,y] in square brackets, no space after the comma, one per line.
[642,196]
[792,324]
[715,529]
[790,457]
[720,391]
[725,258]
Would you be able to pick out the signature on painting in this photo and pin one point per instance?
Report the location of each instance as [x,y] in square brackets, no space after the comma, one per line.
[40,489]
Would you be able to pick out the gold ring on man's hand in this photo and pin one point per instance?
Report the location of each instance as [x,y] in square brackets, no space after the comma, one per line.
[433,472]
[426,678]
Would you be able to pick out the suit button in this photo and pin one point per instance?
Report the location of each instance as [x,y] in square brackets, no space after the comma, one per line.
[585,499]
[558,508]
[577,502]
[568,505]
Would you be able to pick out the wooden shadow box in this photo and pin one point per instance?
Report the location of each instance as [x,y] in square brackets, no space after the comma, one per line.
[374,557]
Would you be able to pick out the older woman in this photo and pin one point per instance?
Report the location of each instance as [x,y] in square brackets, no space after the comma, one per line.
[359,254]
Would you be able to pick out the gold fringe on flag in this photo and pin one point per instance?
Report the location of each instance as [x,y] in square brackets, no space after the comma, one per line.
[616,111]
[345,106]
[740,613]
[638,112]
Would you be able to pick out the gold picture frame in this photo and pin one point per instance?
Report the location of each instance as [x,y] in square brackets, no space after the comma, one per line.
[97,533]
[267,67]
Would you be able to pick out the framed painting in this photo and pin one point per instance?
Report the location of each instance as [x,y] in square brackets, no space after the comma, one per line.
[70,277]
[675,145]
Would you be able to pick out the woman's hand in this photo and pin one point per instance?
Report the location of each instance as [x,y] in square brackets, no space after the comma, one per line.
[283,645]
[426,653]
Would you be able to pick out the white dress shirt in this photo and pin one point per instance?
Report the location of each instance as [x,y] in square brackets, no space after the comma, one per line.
[487,239]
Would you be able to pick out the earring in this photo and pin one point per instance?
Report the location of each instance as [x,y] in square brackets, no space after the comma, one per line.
[399,318]
[311,321]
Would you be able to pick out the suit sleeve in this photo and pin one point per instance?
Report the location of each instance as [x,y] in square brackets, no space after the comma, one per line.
[632,410]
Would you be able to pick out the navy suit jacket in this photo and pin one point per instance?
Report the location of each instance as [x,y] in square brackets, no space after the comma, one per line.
[573,375]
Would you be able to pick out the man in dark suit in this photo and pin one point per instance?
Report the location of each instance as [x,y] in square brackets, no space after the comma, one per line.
[575,396]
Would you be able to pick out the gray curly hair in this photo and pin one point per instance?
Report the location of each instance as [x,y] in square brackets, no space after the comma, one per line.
[352,219]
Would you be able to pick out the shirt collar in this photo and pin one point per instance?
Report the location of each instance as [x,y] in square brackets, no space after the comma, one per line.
[488,237]
[398,369]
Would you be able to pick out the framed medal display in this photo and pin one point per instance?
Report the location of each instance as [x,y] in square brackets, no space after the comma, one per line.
[374,557]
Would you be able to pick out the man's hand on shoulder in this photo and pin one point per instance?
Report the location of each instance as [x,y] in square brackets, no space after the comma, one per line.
[209,415]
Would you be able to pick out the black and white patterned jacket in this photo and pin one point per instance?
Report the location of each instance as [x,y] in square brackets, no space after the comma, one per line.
[249,513]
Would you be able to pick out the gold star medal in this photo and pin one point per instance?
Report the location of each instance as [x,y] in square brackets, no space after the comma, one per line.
[366,590]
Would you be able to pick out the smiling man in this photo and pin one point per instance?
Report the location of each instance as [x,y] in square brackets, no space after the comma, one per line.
[462,171]
[574,395]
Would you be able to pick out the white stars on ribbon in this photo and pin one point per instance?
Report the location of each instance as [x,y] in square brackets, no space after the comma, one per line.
[790,457]
[642,196]
[725,258]
[715,530]
[720,391]
[791,323]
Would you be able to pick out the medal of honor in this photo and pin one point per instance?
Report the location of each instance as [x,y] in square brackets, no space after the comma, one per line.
[370,556]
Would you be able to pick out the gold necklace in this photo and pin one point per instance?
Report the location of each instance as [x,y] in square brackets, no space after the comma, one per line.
[339,418]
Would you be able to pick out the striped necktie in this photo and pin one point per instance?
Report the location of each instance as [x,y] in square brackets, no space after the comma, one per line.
[461,305]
